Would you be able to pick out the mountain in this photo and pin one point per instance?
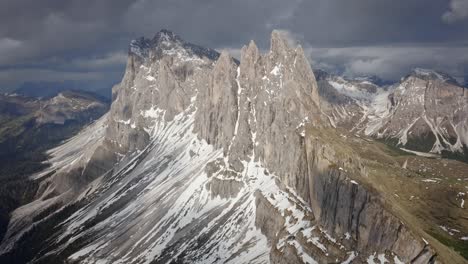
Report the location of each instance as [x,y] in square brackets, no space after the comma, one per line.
[432,75]
[206,159]
[46,90]
[346,102]
[425,112]
[28,124]
[39,89]
[29,127]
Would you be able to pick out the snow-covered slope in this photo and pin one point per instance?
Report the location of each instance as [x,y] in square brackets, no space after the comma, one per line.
[350,103]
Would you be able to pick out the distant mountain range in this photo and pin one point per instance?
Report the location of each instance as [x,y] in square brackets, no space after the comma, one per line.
[51,89]
[30,125]
[28,128]
[426,111]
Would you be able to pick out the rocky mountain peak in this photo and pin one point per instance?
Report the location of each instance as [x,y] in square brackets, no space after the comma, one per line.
[249,57]
[224,57]
[140,47]
[250,53]
[166,36]
[279,44]
[166,42]
[431,75]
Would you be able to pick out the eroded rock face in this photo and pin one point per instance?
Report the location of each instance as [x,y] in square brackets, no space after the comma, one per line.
[217,105]
[202,159]
[347,207]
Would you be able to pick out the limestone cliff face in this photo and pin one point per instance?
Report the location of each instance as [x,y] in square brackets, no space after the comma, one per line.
[217,104]
[344,206]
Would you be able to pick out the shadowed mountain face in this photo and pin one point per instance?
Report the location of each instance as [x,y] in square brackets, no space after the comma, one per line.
[205,159]
[29,127]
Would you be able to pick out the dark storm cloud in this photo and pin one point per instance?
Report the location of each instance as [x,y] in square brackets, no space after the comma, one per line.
[458,11]
[87,40]
[56,28]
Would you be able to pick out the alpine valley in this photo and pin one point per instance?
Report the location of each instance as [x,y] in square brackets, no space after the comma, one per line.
[203,158]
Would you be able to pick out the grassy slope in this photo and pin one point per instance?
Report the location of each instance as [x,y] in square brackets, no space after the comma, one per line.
[423,206]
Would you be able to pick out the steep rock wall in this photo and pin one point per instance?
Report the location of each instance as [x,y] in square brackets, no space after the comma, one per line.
[344,206]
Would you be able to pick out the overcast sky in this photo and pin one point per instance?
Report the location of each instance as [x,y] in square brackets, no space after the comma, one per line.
[87,41]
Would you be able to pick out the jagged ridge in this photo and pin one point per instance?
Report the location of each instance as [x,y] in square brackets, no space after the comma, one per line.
[207,161]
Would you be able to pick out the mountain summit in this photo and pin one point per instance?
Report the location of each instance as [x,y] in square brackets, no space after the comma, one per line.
[167,42]
[427,74]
